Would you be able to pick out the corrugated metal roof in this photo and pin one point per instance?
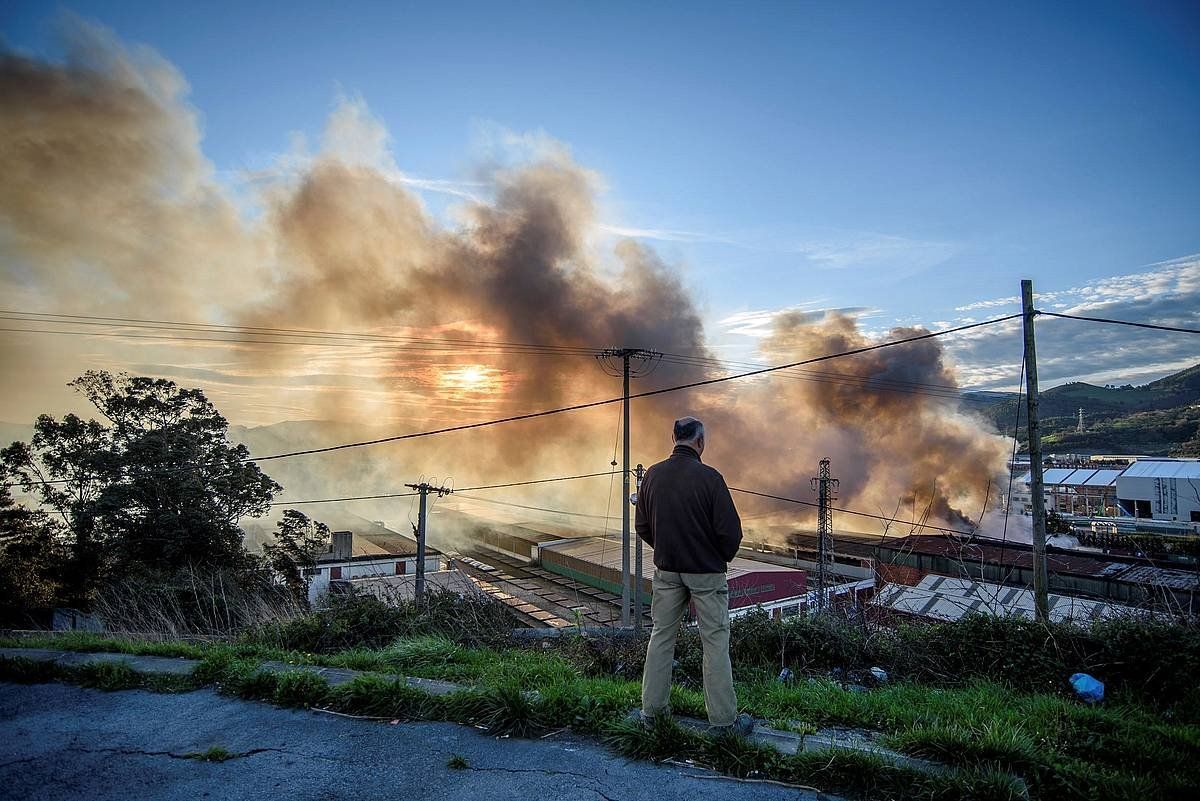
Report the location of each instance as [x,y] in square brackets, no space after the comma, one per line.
[1055,475]
[950,599]
[1084,476]
[1103,478]
[1163,468]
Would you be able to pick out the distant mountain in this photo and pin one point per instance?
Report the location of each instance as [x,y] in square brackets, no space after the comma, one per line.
[1156,419]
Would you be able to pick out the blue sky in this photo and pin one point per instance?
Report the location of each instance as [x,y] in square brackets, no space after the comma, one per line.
[910,159]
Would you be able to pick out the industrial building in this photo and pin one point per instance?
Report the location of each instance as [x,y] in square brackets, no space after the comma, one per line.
[1085,491]
[1155,490]
[596,561]
[1161,489]
[943,598]
[1102,576]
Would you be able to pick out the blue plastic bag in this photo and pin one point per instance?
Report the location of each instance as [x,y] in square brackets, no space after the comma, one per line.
[1089,689]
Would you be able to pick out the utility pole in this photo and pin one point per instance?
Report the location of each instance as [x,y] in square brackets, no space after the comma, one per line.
[1079,428]
[647,359]
[639,472]
[1041,600]
[825,487]
[424,489]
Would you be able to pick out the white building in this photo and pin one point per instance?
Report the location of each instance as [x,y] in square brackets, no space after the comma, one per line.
[377,553]
[1161,489]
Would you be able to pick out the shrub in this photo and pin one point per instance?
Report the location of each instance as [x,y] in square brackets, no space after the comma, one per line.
[368,622]
[300,688]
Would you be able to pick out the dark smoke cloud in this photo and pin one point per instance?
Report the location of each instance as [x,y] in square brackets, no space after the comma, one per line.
[110,206]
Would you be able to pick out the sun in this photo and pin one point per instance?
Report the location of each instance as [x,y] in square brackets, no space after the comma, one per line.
[469,379]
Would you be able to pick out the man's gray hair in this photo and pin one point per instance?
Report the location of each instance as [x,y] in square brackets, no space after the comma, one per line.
[688,429]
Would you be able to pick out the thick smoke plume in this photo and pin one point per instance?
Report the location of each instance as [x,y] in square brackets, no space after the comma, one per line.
[109,207]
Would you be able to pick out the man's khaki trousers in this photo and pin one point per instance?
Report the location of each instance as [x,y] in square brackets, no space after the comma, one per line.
[710,594]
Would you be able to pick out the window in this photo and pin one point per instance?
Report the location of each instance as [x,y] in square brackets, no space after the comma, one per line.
[791,611]
[335,573]
[401,567]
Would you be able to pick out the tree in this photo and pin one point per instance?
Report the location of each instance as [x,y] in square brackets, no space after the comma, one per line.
[297,544]
[158,485]
[1055,524]
[29,556]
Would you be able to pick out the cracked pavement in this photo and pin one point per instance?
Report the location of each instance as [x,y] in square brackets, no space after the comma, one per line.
[64,742]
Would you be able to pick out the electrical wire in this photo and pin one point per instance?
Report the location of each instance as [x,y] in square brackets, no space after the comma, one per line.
[434,481]
[912,523]
[949,390]
[608,401]
[1011,462]
[169,325]
[1120,322]
[540,509]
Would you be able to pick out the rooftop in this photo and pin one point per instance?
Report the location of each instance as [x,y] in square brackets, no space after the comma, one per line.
[1163,468]
[950,599]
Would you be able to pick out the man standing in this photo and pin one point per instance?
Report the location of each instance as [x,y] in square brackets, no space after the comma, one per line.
[685,513]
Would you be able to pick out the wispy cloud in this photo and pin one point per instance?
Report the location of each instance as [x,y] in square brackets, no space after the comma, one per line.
[760,323]
[661,234]
[865,249]
[1069,350]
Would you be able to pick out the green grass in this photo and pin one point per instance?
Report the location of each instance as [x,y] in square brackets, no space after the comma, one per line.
[457,762]
[214,754]
[1057,747]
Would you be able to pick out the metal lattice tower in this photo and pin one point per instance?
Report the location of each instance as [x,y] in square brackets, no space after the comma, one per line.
[825,487]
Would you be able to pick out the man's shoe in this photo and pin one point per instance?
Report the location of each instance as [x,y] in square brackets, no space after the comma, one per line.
[638,719]
[742,726]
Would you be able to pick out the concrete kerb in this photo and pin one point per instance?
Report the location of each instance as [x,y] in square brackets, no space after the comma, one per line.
[789,742]
[786,742]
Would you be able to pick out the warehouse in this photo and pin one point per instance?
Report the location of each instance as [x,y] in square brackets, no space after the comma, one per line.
[1086,492]
[1161,489]
[943,598]
[596,561]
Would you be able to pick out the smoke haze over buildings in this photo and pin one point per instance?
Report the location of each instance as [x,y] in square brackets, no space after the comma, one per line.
[109,207]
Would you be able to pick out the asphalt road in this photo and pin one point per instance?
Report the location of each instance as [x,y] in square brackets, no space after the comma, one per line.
[63,742]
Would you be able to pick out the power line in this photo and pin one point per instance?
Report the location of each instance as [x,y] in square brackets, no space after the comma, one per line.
[1121,322]
[867,382]
[647,394]
[536,481]
[134,322]
[480,348]
[605,402]
[850,511]
[540,508]
[583,514]
[464,489]
[343,500]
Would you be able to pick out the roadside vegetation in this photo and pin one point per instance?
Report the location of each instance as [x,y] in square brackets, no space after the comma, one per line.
[987,696]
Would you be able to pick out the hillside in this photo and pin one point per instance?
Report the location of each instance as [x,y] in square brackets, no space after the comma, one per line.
[1161,418]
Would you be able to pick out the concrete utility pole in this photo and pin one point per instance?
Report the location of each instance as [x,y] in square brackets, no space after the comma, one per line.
[825,487]
[647,360]
[1040,581]
[639,472]
[424,489]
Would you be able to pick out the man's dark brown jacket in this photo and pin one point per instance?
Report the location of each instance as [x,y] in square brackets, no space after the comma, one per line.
[685,513]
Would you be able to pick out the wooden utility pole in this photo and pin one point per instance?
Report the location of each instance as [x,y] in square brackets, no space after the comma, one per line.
[647,360]
[638,473]
[1041,599]
[424,489]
